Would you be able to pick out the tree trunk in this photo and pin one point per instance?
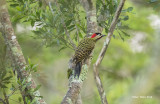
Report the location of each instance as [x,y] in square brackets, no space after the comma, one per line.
[17,56]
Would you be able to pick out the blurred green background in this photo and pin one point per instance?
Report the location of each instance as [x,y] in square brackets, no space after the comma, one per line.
[129,68]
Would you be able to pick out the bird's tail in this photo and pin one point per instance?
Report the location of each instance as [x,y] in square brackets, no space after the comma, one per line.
[77,70]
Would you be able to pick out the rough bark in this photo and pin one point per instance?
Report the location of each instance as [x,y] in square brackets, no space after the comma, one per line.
[16,52]
[90,9]
[72,93]
[79,100]
[103,51]
[74,90]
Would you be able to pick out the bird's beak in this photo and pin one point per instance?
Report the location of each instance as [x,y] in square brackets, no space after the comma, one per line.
[103,35]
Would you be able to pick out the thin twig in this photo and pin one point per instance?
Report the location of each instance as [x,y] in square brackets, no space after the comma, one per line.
[2,101]
[103,51]
[12,93]
[6,97]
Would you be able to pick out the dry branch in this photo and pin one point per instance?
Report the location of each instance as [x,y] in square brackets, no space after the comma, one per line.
[16,52]
[103,51]
[73,94]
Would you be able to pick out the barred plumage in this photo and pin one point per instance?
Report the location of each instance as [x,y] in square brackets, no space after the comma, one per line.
[84,49]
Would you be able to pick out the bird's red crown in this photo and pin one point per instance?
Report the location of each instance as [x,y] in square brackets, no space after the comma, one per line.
[93,35]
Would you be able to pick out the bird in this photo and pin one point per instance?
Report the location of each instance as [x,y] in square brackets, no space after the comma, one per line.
[83,50]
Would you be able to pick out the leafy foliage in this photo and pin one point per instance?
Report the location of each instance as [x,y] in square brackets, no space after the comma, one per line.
[105,14]
[54,22]
[58,21]
[4,79]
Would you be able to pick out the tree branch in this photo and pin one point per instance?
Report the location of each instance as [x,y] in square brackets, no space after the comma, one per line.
[79,100]
[76,84]
[5,96]
[92,25]
[103,51]
[16,52]
[72,94]
[1,100]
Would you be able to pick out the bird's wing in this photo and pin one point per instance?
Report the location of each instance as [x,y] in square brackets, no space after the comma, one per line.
[84,49]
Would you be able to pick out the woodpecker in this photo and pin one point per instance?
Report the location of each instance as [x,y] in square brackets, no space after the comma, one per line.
[83,51]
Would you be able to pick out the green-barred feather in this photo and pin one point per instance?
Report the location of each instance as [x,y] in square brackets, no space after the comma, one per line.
[84,49]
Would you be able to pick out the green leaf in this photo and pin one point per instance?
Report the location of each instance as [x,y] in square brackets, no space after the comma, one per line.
[62,48]
[7,78]
[37,32]
[23,87]
[126,34]
[13,86]
[152,1]
[27,67]
[34,67]
[3,74]
[4,86]
[6,82]
[130,9]
[126,18]
[27,100]
[14,5]
[31,65]
[71,27]
[24,81]
[33,101]
[32,23]
[29,83]
[37,88]
[21,1]
[114,36]
[29,61]
[20,99]
[80,35]
[38,14]
[19,82]
[39,96]
[68,22]
[106,30]
[40,3]
[80,27]
[18,8]
[121,36]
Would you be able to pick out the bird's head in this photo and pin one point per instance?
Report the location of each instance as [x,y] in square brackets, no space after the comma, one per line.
[97,36]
